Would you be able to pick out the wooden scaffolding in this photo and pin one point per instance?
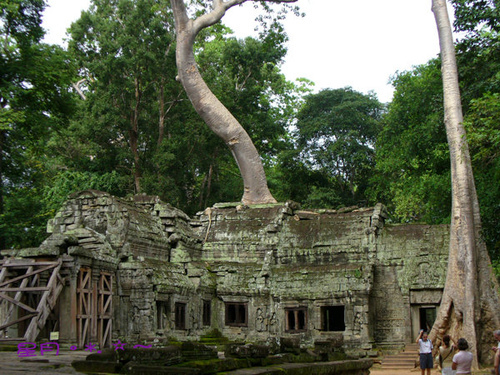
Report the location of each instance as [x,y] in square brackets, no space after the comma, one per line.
[94,307]
[29,290]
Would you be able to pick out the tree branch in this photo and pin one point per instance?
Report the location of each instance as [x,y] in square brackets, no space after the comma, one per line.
[220,8]
[215,15]
[77,85]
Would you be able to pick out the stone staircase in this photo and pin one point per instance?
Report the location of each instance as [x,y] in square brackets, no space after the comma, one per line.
[404,360]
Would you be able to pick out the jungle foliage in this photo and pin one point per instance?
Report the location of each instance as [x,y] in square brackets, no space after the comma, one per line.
[108,114]
[412,161]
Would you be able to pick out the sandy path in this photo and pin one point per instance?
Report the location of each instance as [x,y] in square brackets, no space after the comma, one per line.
[416,371]
[11,364]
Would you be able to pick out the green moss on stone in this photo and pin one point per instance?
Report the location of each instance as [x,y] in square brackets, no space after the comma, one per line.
[8,348]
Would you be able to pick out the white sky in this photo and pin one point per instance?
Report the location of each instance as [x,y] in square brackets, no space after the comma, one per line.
[357,43]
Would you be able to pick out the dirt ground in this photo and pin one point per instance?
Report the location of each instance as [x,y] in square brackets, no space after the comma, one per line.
[416,371]
[50,363]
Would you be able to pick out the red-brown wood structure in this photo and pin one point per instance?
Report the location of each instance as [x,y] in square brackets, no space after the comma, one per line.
[29,290]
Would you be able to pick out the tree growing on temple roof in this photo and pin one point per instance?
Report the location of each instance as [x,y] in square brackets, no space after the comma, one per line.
[213,112]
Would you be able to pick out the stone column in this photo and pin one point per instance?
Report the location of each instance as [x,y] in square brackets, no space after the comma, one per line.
[67,309]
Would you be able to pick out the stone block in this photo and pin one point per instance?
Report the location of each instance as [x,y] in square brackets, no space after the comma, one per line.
[290,344]
[249,351]
[169,355]
[143,369]
[92,367]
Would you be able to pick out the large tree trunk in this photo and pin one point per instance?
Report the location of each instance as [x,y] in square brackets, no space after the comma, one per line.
[211,110]
[134,137]
[470,305]
[2,138]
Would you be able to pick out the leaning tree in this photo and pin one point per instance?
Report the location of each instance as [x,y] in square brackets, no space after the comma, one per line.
[212,111]
[470,304]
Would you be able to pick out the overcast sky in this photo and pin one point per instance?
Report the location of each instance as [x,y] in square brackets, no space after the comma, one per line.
[357,43]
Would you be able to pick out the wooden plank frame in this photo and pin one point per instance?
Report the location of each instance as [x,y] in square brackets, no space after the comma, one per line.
[105,309]
[94,308]
[30,307]
[84,306]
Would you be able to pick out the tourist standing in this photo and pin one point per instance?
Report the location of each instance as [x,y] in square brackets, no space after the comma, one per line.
[425,350]
[462,361]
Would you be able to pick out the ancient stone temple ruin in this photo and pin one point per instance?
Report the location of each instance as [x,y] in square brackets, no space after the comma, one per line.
[142,271]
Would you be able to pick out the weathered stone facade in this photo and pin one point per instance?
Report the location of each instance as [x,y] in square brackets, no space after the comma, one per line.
[270,273]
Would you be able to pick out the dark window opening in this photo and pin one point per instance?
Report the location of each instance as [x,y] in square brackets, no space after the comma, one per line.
[427,318]
[296,319]
[236,314]
[180,315]
[207,313]
[332,318]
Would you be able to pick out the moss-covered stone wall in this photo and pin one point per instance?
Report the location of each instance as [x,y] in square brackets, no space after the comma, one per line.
[271,273]
[279,257]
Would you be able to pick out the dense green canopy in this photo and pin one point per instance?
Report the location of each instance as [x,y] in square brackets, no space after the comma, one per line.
[109,114]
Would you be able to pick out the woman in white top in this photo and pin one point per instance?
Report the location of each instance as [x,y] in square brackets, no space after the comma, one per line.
[462,361]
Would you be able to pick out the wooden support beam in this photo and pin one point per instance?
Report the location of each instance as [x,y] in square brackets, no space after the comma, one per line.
[25,317]
[44,306]
[10,281]
[23,263]
[29,284]
[3,274]
[26,289]
[17,297]
[20,304]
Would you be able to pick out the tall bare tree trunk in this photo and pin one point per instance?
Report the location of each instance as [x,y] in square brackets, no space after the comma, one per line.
[2,140]
[212,111]
[470,306]
[134,137]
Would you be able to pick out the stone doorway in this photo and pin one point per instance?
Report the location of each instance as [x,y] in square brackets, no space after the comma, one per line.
[423,309]
[422,317]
